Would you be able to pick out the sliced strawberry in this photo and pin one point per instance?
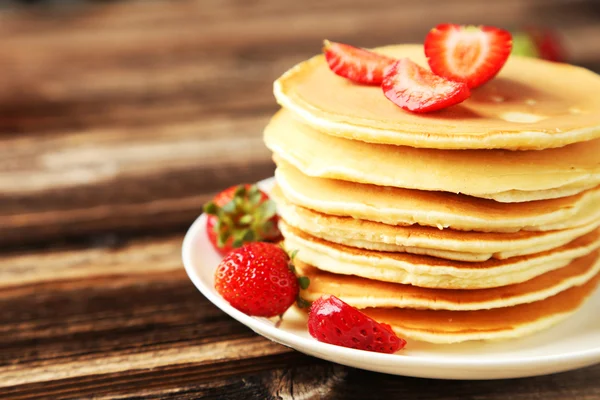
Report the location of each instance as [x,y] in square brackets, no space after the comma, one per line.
[238,215]
[332,321]
[470,54]
[358,65]
[416,89]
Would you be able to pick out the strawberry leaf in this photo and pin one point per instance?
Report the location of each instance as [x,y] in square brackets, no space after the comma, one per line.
[254,198]
[225,220]
[239,234]
[239,202]
[293,269]
[240,191]
[218,225]
[229,207]
[267,209]
[249,236]
[242,236]
[223,238]
[253,189]
[211,208]
[304,282]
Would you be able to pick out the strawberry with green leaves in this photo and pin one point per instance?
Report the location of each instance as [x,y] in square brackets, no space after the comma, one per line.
[238,215]
[541,43]
[259,279]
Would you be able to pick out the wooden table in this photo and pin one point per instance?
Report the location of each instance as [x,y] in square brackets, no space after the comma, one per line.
[118,120]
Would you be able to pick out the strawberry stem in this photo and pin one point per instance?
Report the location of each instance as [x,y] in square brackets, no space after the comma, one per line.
[303,303]
[240,191]
[246,219]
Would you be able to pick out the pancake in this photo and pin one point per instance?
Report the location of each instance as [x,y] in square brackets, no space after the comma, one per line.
[432,272]
[362,293]
[515,196]
[443,326]
[531,104]
[506,176]
[396,206]
[446,243]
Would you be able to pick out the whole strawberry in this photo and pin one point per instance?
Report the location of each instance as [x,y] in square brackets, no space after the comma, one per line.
[332,321]
[538,42]
[238,215]
[259,280]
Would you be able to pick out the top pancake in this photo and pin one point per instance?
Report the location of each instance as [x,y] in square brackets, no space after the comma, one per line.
[531,104]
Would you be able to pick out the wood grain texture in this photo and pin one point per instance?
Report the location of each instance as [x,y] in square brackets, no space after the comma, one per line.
[118,120]
[134,178]
[89,312]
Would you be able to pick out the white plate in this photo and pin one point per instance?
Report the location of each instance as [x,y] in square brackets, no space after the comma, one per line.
[572,344]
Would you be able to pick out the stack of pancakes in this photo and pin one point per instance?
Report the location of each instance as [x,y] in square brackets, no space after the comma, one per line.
[476,222]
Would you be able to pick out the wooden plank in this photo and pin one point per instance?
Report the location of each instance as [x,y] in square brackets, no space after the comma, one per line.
[125,178]
[294,376]
[118,264]
[189,381]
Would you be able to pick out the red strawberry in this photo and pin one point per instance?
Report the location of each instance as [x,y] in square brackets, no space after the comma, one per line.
[358,65]
[548,44]
[416,89]
[470,54]
[330,320]
[540,43]
[258,279]
[238,215]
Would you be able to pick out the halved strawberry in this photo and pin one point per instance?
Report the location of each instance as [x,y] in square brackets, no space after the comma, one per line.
[470,54]
[240,214]
[332,321]
[358,65]
[416,89]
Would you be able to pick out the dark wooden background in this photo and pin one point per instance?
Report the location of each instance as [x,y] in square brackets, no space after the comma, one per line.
[117,121]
